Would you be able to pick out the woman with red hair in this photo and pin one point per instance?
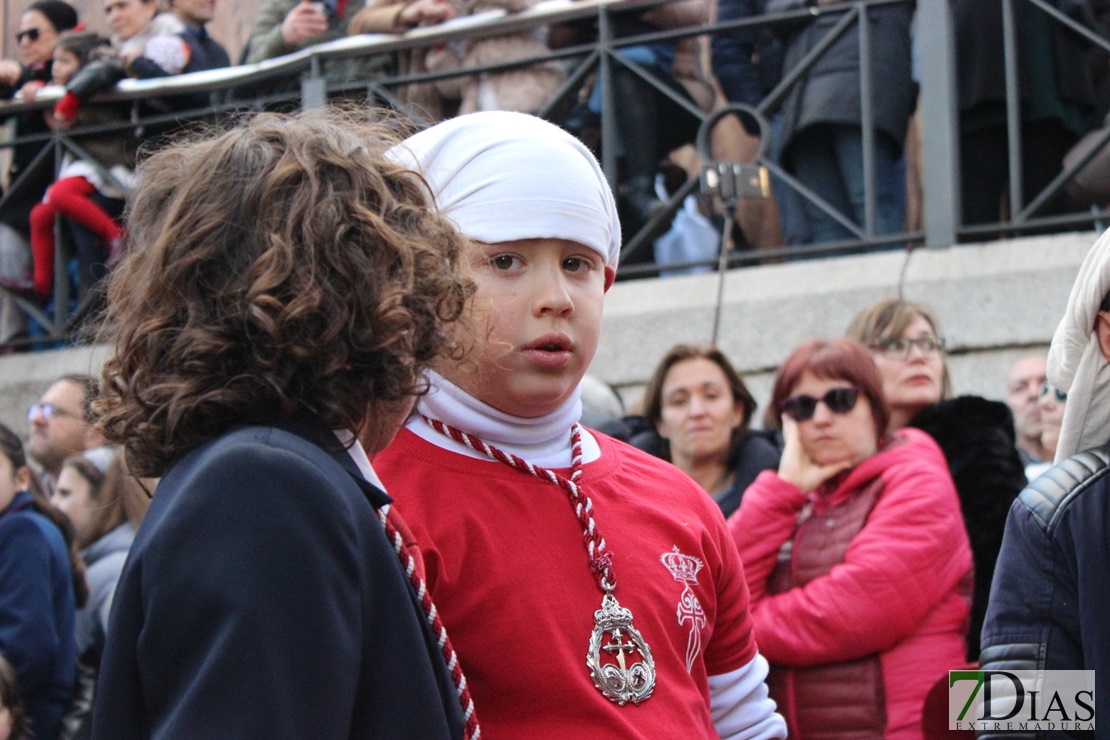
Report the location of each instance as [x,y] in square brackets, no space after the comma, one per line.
[854,552]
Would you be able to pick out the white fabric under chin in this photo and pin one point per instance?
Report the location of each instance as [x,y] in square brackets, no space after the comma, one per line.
[542,440]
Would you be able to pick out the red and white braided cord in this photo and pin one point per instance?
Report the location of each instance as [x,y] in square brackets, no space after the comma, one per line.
[601,561]
[471,730]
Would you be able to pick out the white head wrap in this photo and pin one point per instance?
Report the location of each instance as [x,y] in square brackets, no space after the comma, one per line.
[504,176]
[1075,361]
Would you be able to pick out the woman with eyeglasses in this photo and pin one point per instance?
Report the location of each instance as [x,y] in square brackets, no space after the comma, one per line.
[1051,403]
[976,435]
[854,553]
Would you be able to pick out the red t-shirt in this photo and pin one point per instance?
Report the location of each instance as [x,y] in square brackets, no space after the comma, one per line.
[508,571]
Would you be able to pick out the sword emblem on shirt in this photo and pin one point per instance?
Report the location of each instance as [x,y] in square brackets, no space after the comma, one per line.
[685,569]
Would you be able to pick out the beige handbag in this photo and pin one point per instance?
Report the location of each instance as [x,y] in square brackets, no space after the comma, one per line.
[1091,184]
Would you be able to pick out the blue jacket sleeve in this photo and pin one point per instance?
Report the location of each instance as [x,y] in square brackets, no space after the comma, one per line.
[27,637]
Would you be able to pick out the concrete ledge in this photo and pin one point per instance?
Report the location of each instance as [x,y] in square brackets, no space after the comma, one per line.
[996,302]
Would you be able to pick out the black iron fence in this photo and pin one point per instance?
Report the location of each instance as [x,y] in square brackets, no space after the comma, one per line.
[302,80]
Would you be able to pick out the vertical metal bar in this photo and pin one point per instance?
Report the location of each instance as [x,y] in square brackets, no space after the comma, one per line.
[1013,106]
[722,268]
[867,117]
[608,107]
[940,145]
[314,88]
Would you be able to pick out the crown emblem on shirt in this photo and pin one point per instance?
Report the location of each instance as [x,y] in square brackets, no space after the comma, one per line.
[682,567]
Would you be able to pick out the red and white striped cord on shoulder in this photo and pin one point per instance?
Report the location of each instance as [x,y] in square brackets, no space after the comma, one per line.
[601,561]
[471,730]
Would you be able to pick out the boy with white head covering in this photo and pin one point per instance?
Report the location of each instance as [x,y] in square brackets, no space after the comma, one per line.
[589,588]
[1052,580]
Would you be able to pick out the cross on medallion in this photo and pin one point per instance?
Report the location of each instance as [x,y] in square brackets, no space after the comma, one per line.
[619,647]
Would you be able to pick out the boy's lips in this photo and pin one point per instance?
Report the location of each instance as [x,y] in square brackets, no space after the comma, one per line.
[550,351]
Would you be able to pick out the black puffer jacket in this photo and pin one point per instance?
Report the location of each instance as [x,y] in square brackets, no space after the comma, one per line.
[759,451]
[977,438]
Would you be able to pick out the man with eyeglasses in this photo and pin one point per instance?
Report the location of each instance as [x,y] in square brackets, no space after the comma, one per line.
[1052,581]
[1023,387]
[58,424]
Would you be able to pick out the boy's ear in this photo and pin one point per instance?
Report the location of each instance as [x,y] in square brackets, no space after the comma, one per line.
[1102,329]
[610,276]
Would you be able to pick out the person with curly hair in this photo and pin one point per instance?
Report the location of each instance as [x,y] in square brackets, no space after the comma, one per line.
[285,287]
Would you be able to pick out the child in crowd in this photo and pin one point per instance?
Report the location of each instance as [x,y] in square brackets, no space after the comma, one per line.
[105,506]
[71,194]
[604,553]
[286,286]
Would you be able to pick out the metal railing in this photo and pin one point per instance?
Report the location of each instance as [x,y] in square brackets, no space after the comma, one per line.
[302,80]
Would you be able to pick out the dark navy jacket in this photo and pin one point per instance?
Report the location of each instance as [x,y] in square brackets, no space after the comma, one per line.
[262,599]
[1051,590]
[37,612]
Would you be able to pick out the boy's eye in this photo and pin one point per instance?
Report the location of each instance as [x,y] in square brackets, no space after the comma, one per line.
[503,261]
[576,264]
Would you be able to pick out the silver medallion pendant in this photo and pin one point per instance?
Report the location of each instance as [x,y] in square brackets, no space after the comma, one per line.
[628,679]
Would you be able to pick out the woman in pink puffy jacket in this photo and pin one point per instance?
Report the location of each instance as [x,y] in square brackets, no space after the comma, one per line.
[855,554]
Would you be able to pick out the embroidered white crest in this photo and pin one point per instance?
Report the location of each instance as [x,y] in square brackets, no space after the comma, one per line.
[685,569]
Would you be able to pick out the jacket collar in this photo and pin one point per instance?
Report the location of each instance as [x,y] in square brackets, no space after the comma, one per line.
[309,428]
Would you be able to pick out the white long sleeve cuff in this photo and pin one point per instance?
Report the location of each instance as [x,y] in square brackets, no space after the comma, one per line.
[740,705]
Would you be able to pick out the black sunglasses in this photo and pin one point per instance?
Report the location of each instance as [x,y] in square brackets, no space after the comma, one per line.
[838,400]
[30,33]
[1061,396]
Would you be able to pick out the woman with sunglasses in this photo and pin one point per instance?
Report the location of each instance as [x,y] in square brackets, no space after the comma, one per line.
[854,552]
[976,435]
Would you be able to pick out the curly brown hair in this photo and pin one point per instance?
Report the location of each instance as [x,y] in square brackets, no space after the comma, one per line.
[282,266]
